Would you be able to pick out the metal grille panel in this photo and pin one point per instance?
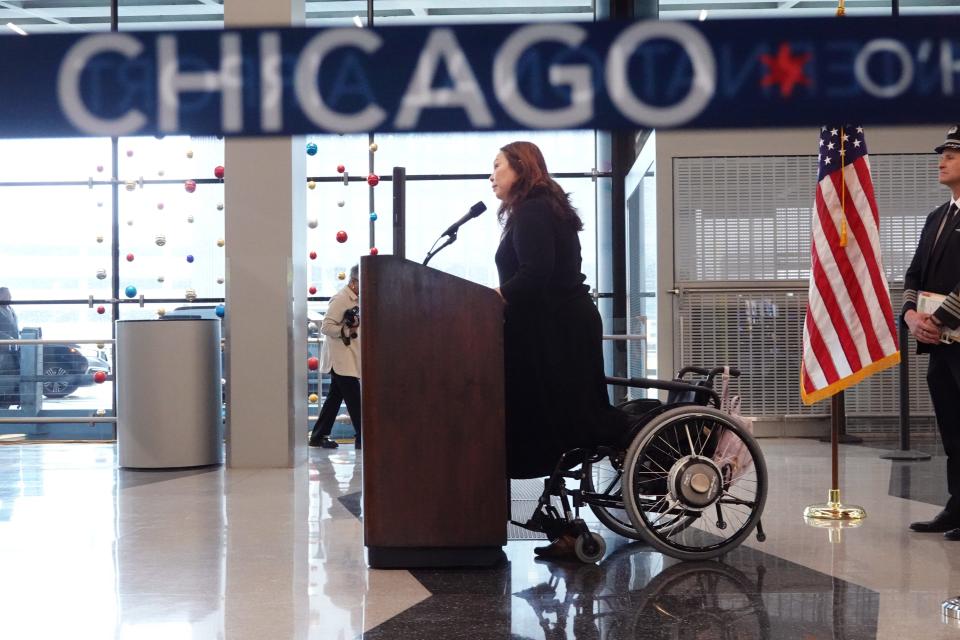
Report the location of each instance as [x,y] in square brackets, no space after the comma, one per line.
[746,220]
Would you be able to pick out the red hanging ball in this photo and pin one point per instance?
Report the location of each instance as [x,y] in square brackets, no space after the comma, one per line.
[341,168]
[101,310]
[341,236]
[313,364]
[190,186]
[374,251]
[373,179]
[313,255]
[129,257]
[312,290]
[100,377]
[218,172]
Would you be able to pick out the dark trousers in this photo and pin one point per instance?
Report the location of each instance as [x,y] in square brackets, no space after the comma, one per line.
[342,388]
[943,379]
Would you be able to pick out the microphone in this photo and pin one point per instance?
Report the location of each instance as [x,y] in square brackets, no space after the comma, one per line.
[475,210]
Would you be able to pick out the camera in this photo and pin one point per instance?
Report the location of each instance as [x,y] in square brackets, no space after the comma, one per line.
[351,320]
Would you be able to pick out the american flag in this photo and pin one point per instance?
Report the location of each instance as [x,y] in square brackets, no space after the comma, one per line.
[848,333]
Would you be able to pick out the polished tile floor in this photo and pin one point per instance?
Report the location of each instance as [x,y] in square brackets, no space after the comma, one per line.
[91,551]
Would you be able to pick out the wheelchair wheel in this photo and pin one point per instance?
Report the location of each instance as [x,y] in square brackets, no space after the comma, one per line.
[602,478]
[590,547]
[695,483]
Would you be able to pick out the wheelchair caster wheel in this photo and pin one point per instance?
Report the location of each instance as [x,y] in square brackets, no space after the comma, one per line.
[761,537]
[590,547]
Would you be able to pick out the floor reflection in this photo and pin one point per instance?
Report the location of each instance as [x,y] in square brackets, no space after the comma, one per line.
[637,593]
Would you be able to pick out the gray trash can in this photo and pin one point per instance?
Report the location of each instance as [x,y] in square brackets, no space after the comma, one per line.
[169,393]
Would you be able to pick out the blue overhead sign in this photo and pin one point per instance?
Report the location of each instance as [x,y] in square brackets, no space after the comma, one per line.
[254,82]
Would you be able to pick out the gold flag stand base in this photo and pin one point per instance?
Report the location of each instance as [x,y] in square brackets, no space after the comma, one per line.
[834,510]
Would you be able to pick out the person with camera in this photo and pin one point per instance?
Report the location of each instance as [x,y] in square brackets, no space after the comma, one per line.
[340,357]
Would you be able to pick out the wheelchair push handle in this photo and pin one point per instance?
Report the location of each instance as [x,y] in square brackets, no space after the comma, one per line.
[710,373]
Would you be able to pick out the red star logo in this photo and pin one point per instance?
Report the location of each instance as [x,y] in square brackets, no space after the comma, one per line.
[785,70]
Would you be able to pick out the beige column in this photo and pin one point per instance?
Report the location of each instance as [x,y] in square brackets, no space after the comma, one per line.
[266,320]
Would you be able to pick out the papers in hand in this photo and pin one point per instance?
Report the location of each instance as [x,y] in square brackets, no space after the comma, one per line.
[928,302]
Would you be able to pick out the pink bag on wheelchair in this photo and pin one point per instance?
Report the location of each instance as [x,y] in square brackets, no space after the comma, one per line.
[731,454]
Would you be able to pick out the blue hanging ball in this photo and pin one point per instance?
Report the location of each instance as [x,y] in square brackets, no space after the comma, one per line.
[311,149]
[189,258]
[131,291]
[373,216]
[220,310]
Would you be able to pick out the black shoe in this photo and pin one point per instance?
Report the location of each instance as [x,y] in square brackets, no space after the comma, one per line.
[953,534]
[943,521]
[325,442]
[563,548]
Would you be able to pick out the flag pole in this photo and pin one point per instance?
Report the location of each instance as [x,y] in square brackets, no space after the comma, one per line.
[833,509]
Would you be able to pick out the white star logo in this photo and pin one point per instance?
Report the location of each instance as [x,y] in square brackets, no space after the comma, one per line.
[859,129]
[830,146]
[856,143]
[827,160]
[833,132]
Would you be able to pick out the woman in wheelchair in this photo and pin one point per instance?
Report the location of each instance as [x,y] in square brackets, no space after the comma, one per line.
[558,414]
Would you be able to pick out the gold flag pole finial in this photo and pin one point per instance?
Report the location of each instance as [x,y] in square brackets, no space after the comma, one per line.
[841,10]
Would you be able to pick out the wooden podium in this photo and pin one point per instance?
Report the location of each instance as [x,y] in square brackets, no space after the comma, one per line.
[434,469]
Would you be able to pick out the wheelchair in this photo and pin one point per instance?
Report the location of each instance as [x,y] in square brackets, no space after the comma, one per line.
[687,478]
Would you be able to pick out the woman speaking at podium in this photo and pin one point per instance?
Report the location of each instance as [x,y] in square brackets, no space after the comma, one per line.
[556,397]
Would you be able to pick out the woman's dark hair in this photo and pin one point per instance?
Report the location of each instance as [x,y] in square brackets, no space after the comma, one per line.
[533,179]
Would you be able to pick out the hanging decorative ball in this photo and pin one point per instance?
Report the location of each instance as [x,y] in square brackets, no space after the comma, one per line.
[100,377]
[311,185]
[99,239]
[130,222]
[313,255]
[373,216]
[340,203]
[341,236]
[312,363]
[130,291]
[161,312]
[220,242]
[373,147]
[190,259]
[130,185]
[160,172]
[190,186]
[101,310]
[160,240]
[312,290]
[312,223]
[160,206]
[341,276]
[101,412]
[374,251]
[219,206]
[99,203]
[99,168]
[101,274]
[220,280]
[220,310]
[218,172]
[313,398]
[191,295]
[341,168]
[190,219]
[311,149]
[99,345]
[189,153]
[129,257]
[129,153]
[373,179]
[160,279]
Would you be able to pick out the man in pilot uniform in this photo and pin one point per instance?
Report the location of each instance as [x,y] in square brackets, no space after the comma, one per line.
[936,268]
